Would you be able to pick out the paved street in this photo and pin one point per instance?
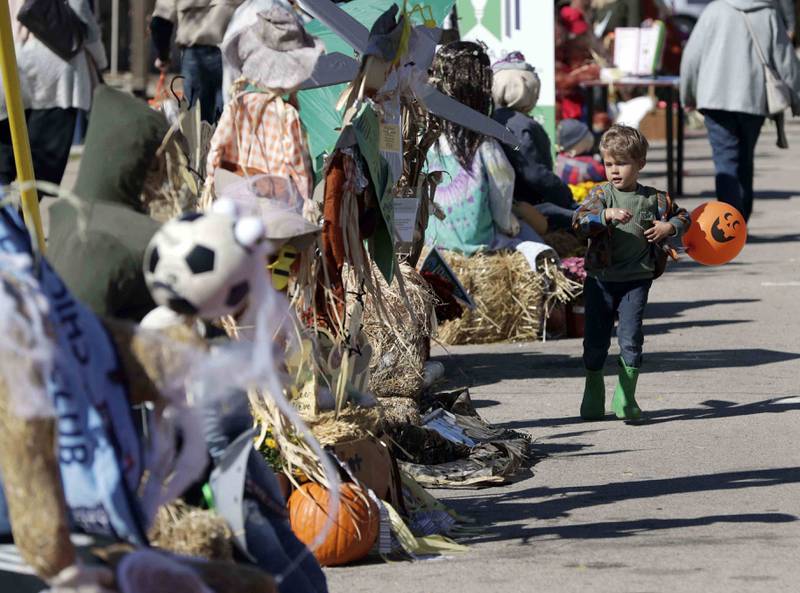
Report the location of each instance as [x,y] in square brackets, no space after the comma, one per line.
[703,498]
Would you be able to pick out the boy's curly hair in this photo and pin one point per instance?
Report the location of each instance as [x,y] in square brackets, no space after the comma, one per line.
[462,70]
[624,143]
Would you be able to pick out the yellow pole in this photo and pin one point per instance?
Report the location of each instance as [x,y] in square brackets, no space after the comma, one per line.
[19,129]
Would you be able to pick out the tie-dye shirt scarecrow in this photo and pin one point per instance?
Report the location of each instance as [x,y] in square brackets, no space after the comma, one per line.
[476,202]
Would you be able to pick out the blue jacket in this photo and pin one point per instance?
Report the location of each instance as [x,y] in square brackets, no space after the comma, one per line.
[536,182]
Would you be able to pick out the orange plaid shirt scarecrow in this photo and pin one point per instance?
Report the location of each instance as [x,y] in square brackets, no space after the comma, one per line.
[260,133]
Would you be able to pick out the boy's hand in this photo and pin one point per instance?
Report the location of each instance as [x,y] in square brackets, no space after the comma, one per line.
[659,231]
[618,214]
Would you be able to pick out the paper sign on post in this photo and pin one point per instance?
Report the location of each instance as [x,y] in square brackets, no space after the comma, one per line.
[405,218]
[390,137]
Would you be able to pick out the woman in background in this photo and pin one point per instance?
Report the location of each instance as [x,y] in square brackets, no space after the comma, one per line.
[53,91]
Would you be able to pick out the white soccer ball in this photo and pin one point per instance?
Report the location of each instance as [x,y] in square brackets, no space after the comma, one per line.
[203,264]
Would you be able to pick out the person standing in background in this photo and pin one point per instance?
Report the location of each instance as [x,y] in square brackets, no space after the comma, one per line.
[53,90]
[735,106]
[200,26]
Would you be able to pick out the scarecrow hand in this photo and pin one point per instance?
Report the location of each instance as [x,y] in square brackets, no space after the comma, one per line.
[80,578]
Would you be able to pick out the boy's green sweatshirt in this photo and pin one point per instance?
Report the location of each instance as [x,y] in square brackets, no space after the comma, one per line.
[632,256]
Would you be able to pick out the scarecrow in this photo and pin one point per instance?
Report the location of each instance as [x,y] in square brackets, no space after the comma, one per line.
[515,89]
[70,454]
[206,266]
[260,132]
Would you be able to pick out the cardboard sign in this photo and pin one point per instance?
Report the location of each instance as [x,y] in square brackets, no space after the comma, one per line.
[371,463]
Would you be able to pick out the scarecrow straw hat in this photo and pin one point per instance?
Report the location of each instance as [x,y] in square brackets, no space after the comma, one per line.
[275,52]
[271,198]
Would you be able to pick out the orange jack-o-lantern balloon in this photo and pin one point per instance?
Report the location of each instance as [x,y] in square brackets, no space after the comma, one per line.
[717,234]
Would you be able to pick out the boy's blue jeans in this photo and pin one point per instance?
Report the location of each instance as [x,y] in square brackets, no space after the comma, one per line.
[733,138]
[602,300]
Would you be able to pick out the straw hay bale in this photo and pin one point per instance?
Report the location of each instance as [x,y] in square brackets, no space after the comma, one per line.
[399,411]
[194,532]
[352,423]
[508,294]
[399,339]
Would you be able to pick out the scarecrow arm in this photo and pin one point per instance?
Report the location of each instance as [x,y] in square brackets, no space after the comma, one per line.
[501,187]
[224,145]
[33,490]
[357,36]
[354,33]
[151,359]
[529,163]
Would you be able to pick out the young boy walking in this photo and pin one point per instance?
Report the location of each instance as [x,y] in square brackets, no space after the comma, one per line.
[627,225]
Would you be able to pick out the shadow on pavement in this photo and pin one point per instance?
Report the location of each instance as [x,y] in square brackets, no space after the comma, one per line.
[652,329]
[617,529]
[502,512]
[759,194]
[488,368]
[761,239]
[687,262]
[676,308]
[710,409]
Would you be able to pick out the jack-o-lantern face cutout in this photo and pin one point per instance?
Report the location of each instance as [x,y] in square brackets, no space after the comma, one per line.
[725,231]
[717,234]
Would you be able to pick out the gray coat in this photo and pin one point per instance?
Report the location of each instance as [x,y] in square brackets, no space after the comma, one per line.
[721,69]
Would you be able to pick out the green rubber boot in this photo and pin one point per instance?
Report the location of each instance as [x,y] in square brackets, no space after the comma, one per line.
[624,402]
[593,406]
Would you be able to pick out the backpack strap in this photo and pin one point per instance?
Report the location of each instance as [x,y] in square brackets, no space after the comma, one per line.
[664,205]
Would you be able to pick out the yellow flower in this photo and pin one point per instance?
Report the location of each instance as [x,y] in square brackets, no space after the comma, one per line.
[271,443]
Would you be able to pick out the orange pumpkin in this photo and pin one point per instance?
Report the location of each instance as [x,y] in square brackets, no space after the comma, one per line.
[717,234]
[355,528]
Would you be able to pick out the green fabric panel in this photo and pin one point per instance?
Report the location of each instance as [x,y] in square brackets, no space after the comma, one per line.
[104,267]
[318,106]
[124,135]
[321,120]
[367,129]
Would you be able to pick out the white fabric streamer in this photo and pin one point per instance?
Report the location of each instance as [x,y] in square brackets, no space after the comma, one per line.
[254,363]
[26,349]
